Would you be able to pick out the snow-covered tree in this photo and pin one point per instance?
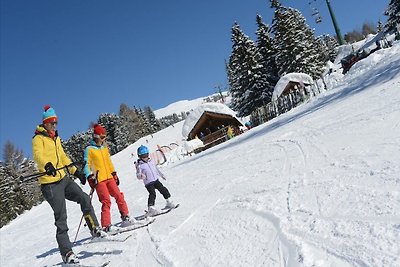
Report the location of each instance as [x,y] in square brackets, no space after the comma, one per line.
[17,196]
[115,139]
[269,70]
[151,117]
[393,13]
[297,48]
[75,146]
[330,46]
[246,81]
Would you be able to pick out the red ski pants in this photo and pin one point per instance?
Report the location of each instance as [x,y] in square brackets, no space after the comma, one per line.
[104,190]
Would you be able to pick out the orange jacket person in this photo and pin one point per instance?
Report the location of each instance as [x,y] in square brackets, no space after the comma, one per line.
[100,172]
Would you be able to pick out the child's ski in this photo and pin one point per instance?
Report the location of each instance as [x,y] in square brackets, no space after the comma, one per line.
[162,211]
[132,227]
[85,265]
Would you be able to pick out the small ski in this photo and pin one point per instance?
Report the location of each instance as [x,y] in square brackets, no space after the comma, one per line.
[131,227]
[84,265]
[109,238]
[169,209]
[163,211]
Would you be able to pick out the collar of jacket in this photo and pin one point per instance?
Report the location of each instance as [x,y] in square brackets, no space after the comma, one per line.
[40,130]
[140,161]
[93,143]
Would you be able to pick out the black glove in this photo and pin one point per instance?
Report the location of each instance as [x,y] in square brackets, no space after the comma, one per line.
[81,176]
[50,170]
[115,176]
[92,181]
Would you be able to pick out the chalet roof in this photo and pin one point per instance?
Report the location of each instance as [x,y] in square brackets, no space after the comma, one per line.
[294,77]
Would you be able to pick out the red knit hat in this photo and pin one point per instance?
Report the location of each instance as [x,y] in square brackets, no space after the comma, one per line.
[98,131]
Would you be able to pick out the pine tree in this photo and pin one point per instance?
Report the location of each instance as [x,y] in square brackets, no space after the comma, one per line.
[393,13]
[331,45]
[17,196]
[75,146]
[110,122]
[151,117]
[297,48]
[144,128]
[246,74]
[269,70]
[13,157]
[380,26]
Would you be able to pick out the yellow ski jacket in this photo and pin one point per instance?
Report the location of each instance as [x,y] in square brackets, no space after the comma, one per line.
[97,158]
[46,149]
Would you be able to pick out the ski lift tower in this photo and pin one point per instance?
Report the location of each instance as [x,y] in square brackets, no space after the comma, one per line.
[335,25]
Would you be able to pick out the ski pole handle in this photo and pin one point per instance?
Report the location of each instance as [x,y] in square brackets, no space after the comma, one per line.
[40,174]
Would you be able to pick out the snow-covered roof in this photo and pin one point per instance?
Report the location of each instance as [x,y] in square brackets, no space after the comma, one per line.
[195,115]
[290,77]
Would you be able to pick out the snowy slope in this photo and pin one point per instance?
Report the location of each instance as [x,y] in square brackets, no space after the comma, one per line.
[317,186]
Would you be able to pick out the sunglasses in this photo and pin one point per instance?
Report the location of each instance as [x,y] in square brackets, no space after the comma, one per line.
[102,137]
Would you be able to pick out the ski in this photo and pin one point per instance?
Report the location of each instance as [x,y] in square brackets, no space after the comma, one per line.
[110,238]
[131,227]
[169,209]
[84,265]
[163,211]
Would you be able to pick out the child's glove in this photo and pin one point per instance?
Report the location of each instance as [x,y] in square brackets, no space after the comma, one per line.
[140,176]
[92,181]
[115,176]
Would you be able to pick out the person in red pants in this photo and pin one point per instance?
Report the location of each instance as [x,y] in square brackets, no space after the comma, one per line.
[101,175]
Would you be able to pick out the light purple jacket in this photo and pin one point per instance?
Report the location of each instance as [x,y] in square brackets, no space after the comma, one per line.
[148,171]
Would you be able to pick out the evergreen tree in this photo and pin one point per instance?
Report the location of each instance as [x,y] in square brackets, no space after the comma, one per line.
[8,207]
[331,47]
[17,196]
[297,48]
[13,157]
[144,124]
[151,117]
[269,71]
[128,123]
[393,13]
[110,122]
[380,26]
[246,74]
[75,146]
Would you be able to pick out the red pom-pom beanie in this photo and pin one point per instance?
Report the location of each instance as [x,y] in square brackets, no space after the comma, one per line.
[98,130]
[49,115]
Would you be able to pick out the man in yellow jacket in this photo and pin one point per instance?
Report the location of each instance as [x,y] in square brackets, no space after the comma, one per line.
[56,187]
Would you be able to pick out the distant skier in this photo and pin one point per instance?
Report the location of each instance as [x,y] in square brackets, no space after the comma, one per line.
[51,159]
[98,160]
[147,171]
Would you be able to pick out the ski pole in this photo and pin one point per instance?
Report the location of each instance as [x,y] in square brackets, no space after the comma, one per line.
[91,196]
[80,223]
[37,175]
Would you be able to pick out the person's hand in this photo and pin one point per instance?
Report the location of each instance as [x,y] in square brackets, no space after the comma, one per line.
[92,181]
[81,176]
[50,170]
[115,176]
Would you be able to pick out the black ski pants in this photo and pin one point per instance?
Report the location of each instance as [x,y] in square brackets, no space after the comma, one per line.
[56,194]
[151,188]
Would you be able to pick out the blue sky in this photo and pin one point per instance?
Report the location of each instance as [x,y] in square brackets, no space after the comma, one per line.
[86,57]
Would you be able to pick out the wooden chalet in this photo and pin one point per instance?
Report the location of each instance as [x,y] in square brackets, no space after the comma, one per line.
[212,128]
